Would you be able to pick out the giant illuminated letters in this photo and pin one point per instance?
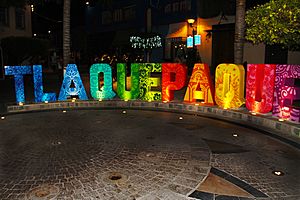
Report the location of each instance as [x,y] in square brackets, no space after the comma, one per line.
[268,88]
[72,76]
[18,72]
[173,78]
[106,91]
[229,83]
[134,85]
[147,82]
[200,86]
[286,92]
[260,87]
[39,94]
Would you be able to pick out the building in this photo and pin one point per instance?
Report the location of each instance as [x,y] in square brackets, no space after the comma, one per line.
[214,21]
[15,21]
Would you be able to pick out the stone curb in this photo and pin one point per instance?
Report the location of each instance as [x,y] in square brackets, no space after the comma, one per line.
[284,131]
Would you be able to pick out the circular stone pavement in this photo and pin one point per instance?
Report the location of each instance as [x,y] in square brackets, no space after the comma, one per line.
[100,154]
[143,155]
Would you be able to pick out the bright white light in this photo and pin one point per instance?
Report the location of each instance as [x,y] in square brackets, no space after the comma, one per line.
[21,104]
[181,118]
[124,112]
[46,101]
[281,120]
[87,3]
[278,173]
[235,135]
[34,34]
[2,118]
[49,31]
[64,111]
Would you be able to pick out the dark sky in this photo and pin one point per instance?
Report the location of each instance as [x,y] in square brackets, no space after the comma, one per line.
[49,16]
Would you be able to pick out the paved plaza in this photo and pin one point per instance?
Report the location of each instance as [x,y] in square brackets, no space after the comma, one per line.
[136,154]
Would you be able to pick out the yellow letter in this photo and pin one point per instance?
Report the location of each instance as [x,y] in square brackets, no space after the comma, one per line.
[230,84]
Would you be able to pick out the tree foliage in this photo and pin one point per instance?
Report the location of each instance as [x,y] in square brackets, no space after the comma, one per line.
[276,22]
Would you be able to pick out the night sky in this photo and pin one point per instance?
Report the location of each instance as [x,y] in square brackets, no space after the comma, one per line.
[49,16]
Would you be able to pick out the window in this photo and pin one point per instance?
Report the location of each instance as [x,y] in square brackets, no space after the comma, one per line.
[168,8]
[129,13]
[106,17]
[3,16]
[20,18]
[176,7]
[185,5]
[118,15]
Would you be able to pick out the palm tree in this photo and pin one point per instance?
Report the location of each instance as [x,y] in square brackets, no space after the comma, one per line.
[66,33]
[239,36]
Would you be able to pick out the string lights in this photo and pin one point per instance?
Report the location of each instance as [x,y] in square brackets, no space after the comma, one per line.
[138,42]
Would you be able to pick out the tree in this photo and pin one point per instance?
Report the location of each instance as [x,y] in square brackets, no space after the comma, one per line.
[239,36]
[66,32]
[276,22]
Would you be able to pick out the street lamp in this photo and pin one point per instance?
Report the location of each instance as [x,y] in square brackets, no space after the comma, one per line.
[190,38]
[192,52]
[191,21]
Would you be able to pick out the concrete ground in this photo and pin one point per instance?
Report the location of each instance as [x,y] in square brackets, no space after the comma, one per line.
[135,154]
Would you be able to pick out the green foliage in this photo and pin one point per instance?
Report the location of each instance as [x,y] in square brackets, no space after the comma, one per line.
[276,22]
[16,49]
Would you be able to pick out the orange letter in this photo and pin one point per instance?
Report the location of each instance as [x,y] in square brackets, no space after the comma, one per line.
[200,86]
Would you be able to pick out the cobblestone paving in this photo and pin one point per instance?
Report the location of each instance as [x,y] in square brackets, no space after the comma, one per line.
[255,167]
[100,155]
[105,154]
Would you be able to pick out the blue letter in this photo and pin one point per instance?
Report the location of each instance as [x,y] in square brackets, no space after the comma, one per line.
[18,72]
[39,94]
[72,74]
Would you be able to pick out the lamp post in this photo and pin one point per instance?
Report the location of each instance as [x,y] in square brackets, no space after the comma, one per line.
[191,45]
[191,21]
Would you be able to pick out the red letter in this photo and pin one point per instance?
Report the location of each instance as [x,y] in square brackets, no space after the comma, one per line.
[260,87]
[173,78]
